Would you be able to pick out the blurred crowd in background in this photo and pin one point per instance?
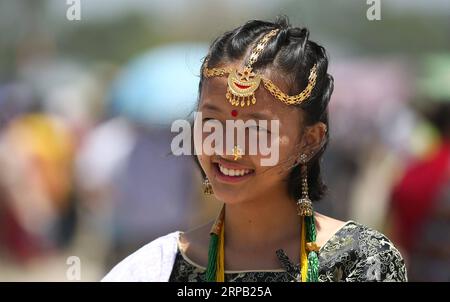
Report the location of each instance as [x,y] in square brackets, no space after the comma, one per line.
[86,108]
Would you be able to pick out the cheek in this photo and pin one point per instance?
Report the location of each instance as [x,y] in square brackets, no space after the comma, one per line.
[288,152]
[287,146]
[285,149]
[205,163]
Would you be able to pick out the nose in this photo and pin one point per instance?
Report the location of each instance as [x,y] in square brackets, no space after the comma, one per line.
[232,154]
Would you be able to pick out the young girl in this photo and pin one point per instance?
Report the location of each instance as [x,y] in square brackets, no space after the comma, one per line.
[267,229]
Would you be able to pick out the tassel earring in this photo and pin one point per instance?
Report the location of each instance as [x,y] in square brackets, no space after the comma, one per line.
[207,188]
[309,259]
[304,204]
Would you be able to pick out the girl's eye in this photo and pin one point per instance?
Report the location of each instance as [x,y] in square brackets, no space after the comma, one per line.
[210,119]
[257,128]
[254,128]
[212,122]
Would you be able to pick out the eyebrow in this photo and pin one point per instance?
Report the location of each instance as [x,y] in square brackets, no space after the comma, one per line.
[211,107]
[254,115]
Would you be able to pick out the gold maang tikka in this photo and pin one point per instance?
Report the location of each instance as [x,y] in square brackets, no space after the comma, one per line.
[242,84]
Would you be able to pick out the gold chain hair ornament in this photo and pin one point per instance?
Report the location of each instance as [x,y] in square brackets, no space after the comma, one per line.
[242,84]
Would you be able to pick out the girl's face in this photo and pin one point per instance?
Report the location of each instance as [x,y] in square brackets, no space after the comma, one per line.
[258,180]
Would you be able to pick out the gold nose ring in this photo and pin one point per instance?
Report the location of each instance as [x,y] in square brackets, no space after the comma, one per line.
[237,152]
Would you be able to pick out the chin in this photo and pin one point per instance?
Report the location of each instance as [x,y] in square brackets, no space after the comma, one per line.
[229,197]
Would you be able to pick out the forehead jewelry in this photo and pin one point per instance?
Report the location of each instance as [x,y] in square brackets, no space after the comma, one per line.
[237,152]
[243,83]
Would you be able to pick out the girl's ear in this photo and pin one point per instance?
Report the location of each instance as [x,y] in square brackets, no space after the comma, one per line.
[313,139]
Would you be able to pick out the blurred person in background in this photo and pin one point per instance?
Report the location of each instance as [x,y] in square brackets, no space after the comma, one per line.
[37,214]
[420,208]
[370,127]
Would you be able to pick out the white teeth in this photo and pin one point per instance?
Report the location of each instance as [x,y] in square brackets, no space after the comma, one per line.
[233,172]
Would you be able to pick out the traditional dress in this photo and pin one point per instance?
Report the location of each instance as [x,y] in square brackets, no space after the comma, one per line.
[354,253]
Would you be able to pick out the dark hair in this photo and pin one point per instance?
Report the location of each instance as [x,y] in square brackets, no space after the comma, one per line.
[293,55]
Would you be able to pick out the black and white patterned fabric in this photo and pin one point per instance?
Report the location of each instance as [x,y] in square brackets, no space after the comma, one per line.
[355,253]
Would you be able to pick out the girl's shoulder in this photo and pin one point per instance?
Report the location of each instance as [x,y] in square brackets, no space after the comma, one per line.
[360,253]
[365,240]
[336,234]
[194,243]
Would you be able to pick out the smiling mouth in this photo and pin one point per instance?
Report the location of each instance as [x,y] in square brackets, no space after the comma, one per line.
[231,174]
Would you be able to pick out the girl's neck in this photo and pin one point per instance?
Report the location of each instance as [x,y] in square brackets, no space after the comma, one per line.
[254,224]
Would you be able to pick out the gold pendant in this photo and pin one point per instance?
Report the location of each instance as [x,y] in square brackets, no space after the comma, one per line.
[242,86]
